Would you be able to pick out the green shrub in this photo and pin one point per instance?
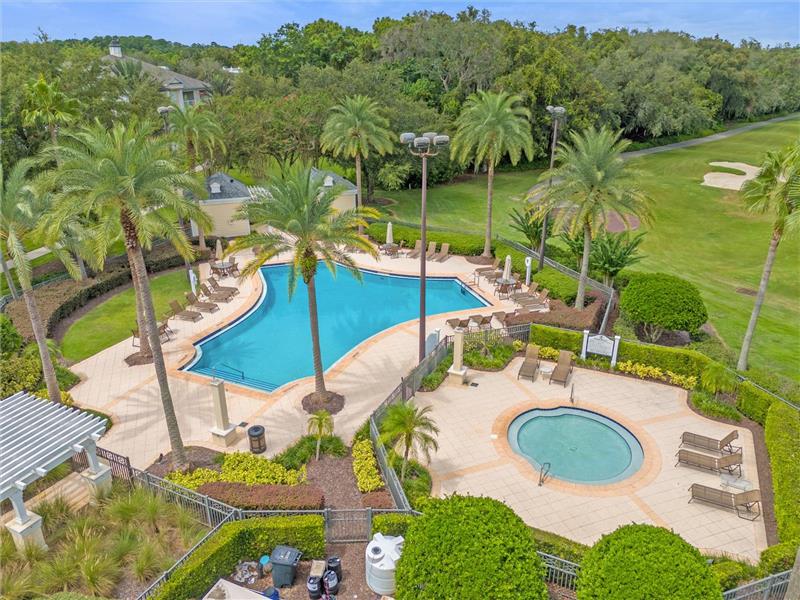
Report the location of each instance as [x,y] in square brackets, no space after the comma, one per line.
[677,360]
[243,540]
[643,561]
[391,523]
[562,287]
[462,547]
[460,243]
[782,436]
[551,543]
[10,339]
[418,483]
[731,573]
[66,378]
[265,497]
[777,558]
[365,467]
[241,467]
[647,372]
[488,356]
[659,302]
[433,380]
[304,449]
[560,339]
[362,433]
[20,373]
[708,405]
[753,402]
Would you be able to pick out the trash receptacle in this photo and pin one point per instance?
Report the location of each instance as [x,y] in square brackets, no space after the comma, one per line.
[330,582]
[334,563]
[314,587]
[258,439]
[284,561]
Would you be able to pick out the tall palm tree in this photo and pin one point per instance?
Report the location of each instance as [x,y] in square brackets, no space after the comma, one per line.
[21,204]
[297,215]
[776,192]
[613,252]
[198,129]
[47,104]
[591,183]
[320,424]
[492,125]
[126,178]
[354,128]
[410,429]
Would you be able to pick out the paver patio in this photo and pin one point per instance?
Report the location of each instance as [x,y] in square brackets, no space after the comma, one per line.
[474,458]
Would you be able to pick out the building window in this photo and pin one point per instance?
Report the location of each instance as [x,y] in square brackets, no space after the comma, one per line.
[188,98]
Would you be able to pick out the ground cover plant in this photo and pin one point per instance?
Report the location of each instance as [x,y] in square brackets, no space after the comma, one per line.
[241,467]
[365,467]
[303,450]
[265,496]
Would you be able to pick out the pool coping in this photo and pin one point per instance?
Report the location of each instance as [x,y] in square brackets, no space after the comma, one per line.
[186,352]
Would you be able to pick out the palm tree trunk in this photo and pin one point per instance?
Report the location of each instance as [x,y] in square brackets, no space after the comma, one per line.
[405,463]
[587,250]
[190,154]
[358,190]
[150,330]
[48,371]
[144,339]
[487,244]
[9,279]
[319,380]
[53,135]
[81,266]
[762,292]
[319,443]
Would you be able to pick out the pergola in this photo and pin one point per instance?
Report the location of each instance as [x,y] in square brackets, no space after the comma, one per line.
[36,436]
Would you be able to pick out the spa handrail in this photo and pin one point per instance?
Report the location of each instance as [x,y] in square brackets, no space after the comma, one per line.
[543,473]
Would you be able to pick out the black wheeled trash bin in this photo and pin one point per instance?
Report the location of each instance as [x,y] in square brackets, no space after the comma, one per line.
[284,561]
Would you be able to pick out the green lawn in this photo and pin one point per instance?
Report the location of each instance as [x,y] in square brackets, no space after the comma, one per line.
[112,321]
[700,233]
[463,205]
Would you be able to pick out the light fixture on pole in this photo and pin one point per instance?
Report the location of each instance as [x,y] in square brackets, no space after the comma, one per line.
[427,145]
[557,113]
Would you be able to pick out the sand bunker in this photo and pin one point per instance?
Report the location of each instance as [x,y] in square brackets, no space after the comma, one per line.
[729,181]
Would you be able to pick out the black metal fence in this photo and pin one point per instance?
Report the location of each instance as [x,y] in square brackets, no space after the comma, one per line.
[120,465]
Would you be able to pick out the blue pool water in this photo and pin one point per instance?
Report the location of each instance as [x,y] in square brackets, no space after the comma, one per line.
[580,445]
[271,345]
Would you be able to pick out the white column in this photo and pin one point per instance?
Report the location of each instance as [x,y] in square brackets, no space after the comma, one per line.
[458,372]
[222,433]
[26,528]
[97,476]
[585,344]
[615,351]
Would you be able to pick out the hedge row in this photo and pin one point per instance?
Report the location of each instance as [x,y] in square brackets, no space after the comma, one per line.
[264,496]
[243,540]
[460,243]
[241,467]
[391,523]
[753,402]
[782,436]
[365,467]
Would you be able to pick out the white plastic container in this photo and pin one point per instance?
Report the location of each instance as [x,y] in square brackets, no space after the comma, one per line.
[382,554]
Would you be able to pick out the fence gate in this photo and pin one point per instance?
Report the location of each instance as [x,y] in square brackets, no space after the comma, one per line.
[348,525]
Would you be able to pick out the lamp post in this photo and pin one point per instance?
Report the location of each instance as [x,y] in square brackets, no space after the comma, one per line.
[556,112]
[427,145]
[163,112]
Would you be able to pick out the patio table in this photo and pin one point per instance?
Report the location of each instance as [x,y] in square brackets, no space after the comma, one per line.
[731,481]
[225,267]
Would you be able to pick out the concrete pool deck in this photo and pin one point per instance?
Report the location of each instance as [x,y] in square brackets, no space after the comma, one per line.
[475,458]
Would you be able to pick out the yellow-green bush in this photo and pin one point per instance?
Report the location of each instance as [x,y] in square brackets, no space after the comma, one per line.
[647,372]
[365,467]
[241,467]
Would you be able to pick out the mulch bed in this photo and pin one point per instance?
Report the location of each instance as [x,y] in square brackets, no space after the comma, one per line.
[480,260]
[198,456]
[330,401]
[335,476]
[137,358]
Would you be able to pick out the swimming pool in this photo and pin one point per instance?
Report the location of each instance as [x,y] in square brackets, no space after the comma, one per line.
[271,344]
[581,446]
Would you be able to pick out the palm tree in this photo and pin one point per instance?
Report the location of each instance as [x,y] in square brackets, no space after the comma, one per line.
[525,223]
[21,204]
[320,424]
[126,179]
[492,125]
[613,252]
[131,73]
[48,105]
[296,215]
[776,192]
[410,429]
[354,128]
[591,183]
[198,128]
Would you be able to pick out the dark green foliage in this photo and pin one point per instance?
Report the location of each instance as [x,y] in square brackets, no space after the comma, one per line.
[778,558]
[243,540]
[782,436]
[460,243]
[437,376]
[551,543]
[265,497]
[731,573]
[66,378]
[677,360]
[464,546]
[10,339]
[560,339]
[659,302]
[417,484]
[391,523]
[708,405]
[753,402]
[562,287]
[362,433]
[304,449]
[643,561]
[489,356]
[20,373]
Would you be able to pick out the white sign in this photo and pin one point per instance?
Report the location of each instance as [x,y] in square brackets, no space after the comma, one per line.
[600,344]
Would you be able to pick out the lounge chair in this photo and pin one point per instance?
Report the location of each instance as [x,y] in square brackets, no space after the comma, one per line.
[197,304]
[476,274]
[178,312]
[563,368]
[732,463]
[703,442]
[431,250]
[416,251]
[504,289]
[539,302]
[742,502]
[458,323]
[500,315]
[481,321]
[530,366]
[215,296]
[234,268]
[531,293]
[443,254]
[215,286]
[163,332]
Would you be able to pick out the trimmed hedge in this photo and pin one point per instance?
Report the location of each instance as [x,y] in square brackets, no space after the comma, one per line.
[778,558]
[753,402]
[643,561]
[391,523]
[243,540]
[562,287]
[365,467]
[678,360]
[731,573]
[552,543]
[265,497]
[460,243]
[463,547]
[556,338]
[782,436]
[241,467]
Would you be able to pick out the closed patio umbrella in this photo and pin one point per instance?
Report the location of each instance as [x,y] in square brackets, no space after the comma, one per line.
[219,249]
[389,233]
[507,268]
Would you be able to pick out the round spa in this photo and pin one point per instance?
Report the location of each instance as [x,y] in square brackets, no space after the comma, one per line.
[581,446]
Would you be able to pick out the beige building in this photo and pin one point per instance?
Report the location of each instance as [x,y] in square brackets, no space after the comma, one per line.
[225,197]
[346,199]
